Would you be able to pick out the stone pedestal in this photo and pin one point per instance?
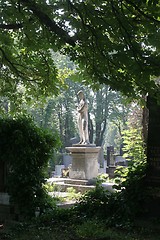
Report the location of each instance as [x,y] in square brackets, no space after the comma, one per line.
[84,161]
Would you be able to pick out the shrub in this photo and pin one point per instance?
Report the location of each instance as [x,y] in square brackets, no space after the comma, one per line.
[26,149]
[94,203]
[133,184]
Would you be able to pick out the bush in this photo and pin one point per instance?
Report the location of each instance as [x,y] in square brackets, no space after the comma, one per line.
[26,149]
[132,178]
[95,203]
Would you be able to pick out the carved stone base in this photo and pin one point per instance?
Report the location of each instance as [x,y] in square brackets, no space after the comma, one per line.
[84,161]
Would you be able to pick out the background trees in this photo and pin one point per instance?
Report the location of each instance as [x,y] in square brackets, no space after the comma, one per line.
[107,115]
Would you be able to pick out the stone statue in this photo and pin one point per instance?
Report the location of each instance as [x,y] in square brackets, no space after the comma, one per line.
[83,118]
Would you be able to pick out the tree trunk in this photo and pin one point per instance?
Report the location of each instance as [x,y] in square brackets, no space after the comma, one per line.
[90,129]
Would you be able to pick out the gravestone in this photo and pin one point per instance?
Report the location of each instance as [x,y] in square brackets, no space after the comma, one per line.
[110,161]
[58,170]
[153,159]
[120,161]
[67,160]
[5,208]
[2,176]
[153,145]
[110,157]
[101,158]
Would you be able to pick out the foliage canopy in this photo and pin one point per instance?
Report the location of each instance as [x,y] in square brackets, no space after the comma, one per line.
[114,42]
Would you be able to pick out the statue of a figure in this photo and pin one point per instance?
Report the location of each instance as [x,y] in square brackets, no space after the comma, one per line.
[83,118]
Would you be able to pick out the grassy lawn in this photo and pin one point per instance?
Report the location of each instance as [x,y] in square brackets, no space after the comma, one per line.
[88,230]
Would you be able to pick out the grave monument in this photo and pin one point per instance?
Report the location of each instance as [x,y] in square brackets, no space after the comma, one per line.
[153,144]
[5,207]
[84,155]
[153,157]
[110,161]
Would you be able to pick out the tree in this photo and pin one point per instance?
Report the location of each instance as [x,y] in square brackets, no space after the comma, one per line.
[101,115]
[59,112]
[114,42]
[119,112]
[100,104]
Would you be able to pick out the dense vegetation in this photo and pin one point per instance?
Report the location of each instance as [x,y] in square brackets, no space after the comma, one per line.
[26,150]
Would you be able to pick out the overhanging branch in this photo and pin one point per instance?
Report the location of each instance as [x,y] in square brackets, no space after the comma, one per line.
[48,22]
[10,64]
[13,26]
[145,15]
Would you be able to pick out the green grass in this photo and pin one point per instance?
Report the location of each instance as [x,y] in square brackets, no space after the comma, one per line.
[88,230]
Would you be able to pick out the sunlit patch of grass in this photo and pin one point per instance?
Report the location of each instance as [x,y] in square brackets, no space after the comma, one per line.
[96,230]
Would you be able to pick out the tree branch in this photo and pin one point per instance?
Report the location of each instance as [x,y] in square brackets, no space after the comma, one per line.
[13,26]
[48,22]
[149,17]
[10,64]
[127,36]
